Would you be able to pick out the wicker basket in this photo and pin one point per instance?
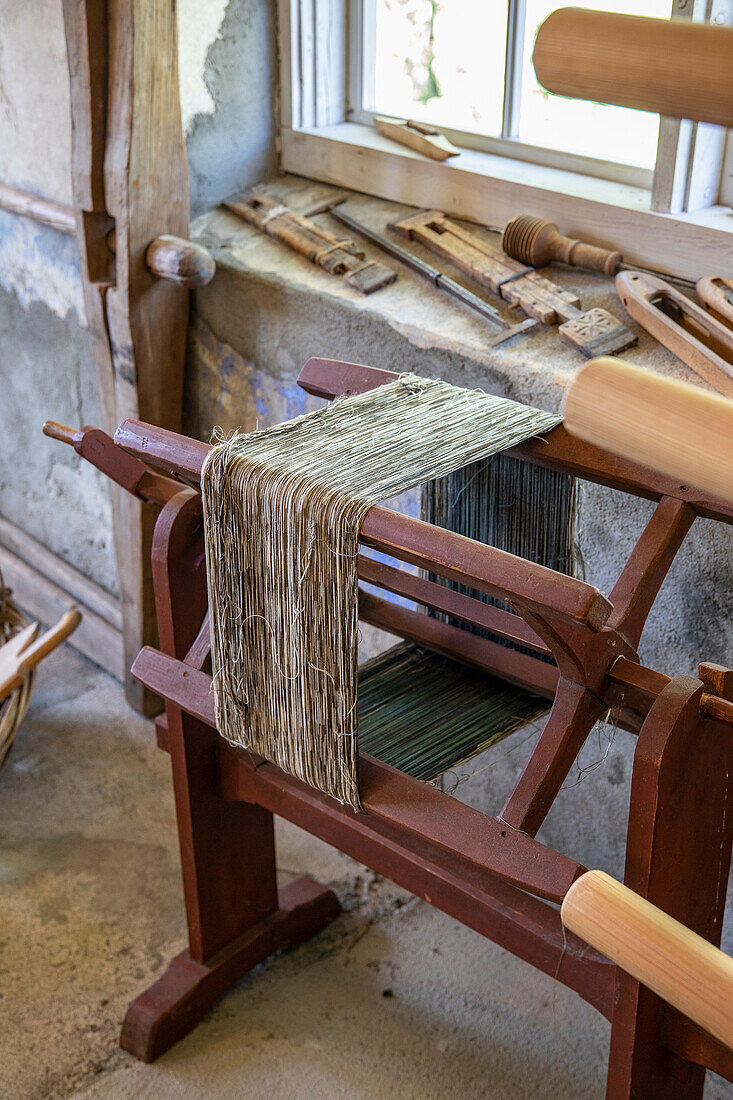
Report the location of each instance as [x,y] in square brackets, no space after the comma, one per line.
[14,705]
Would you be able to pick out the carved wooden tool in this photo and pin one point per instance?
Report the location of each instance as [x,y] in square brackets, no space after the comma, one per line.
[593,332]
[676,429]
[716,295]
[417,135]
[441,281]
[538,242]
[668,66]
[682,326]
[338,257]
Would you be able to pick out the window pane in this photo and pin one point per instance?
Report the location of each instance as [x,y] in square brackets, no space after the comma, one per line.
[577,126]
[440,62]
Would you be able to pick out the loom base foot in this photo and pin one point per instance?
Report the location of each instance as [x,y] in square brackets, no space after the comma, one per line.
[175,1003]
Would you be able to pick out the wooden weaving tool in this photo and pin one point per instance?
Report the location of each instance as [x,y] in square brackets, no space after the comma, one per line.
[696,337]
[688,432]
[716,295]
[321,247]
[418,136]
[20,651]
[489,873]
[537,242]
[668,66]
[593,332]
[506,329]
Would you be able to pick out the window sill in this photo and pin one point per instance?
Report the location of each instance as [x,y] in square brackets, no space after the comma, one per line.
[491,189]
[274,309]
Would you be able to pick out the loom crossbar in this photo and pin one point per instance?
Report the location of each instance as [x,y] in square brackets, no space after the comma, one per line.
[456,557]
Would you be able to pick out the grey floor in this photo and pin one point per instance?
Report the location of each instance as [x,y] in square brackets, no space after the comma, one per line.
[393,1000]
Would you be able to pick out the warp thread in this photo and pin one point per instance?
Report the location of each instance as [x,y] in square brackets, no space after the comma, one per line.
[528,510]
[282,510]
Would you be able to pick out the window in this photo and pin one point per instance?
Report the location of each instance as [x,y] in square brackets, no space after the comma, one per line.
[606,173]
[466,66]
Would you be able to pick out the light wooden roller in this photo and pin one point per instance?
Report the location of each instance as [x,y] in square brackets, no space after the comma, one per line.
[673,67]
[680,430]
[675,963]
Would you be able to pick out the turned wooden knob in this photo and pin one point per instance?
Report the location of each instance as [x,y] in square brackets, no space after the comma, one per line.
[180,261]
[536,242]
[62,432]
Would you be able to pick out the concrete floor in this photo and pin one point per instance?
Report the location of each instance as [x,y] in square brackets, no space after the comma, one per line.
[393,1000]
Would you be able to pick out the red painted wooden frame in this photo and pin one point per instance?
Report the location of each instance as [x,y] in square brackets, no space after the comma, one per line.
[489,873]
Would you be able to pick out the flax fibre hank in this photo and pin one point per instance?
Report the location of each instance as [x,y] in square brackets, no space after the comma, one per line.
[282,510]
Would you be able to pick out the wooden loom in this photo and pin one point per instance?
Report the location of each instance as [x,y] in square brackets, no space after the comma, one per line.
[489,873]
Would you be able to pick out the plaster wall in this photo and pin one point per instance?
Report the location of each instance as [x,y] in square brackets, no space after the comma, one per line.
[228,99]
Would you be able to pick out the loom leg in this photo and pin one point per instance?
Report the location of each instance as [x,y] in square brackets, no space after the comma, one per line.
[678,856]
[235,916]
[173,1005]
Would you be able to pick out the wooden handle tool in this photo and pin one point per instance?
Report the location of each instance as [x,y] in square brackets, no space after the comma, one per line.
[689,973]
[418,136]
[337,257]
[681,325]
[507,329]
[537,242]
[716,295]
[679,430]
[592,332]
[21,654]
[669,66]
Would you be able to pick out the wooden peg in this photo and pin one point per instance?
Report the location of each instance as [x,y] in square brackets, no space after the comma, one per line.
[180,261]
[537,242]
[62,432]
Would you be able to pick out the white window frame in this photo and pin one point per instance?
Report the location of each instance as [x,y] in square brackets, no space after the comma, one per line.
[672,222]
[361,16]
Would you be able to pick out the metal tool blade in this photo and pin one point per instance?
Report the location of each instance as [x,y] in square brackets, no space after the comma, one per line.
[441,281]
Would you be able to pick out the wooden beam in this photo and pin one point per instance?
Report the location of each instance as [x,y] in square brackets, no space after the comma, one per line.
[129,176]
[44,211]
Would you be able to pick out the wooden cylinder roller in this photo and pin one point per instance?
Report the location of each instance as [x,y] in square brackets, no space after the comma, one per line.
[536,242]
[681,967]
[679,430]
[673,67]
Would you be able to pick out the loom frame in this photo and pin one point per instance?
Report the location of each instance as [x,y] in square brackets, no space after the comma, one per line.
[489,873]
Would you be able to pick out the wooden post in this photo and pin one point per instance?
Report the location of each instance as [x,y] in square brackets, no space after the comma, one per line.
[235,914]
[130,177]
[678,857]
